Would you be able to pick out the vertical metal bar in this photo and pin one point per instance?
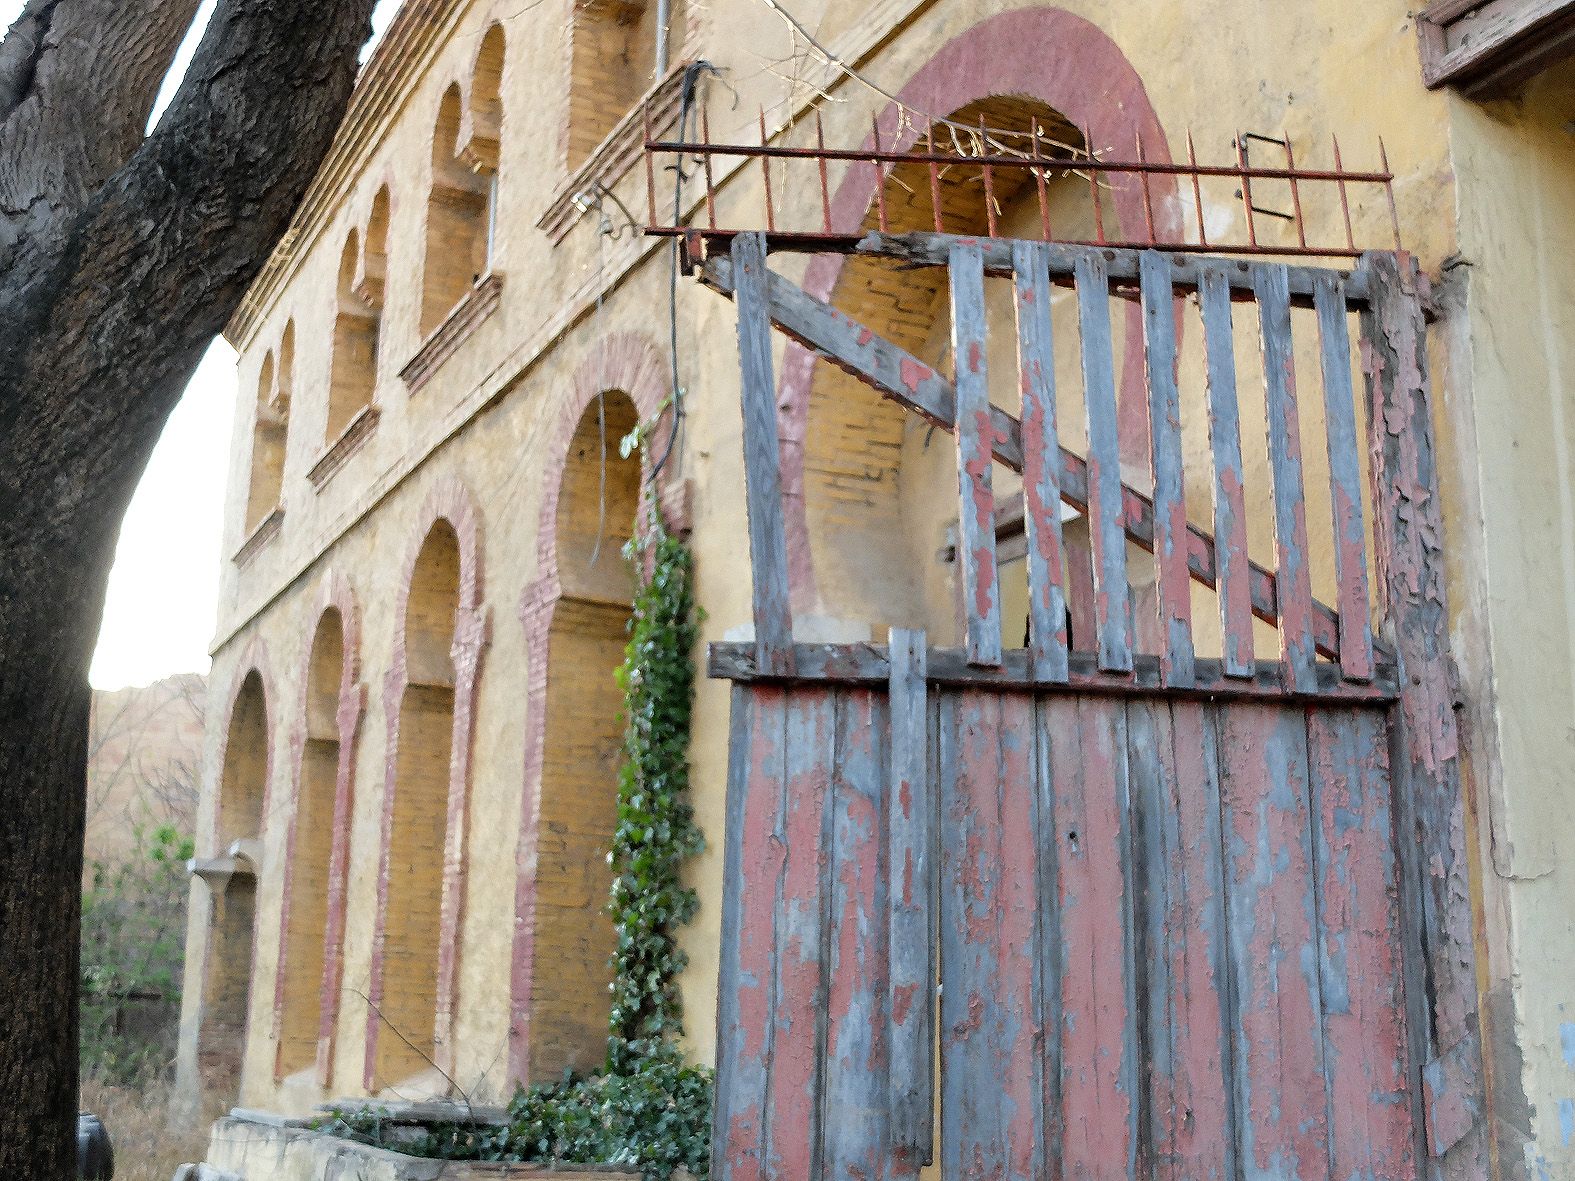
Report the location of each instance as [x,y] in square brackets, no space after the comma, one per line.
[1093,184]
[1148,196]
[650,170]
[989,181]
[710,182]
[880,173]
[765,172]
[910,813]
[981,584]
[1293,581]
[1107,531]
[1389,192]
[1197,190]
[1233,572]
[1345,475]
[820,161]
[1246,189]
[1170,510]
[762,464]
[1345,197]
[1296,193]
[935,176]
[1047,627]
[1039,183]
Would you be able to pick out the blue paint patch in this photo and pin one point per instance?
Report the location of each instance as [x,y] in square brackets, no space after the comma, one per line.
[1567,1041]
[1567,1121]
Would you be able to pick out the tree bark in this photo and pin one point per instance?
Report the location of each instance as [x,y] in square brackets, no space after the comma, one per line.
[120,258]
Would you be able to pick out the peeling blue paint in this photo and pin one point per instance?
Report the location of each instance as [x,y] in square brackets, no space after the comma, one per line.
[1567,1121]
[1567,1041]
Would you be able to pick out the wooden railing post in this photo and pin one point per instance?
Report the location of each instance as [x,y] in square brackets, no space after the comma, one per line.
[762,459]
[1425,750]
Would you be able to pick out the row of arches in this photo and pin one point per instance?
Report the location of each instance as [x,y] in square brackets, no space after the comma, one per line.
[575,618]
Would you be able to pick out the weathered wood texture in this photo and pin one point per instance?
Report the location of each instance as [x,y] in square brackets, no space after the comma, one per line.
[762,475]
[1487,48]
[1091,485]
[974,430]
[1431,833]
[1165,939]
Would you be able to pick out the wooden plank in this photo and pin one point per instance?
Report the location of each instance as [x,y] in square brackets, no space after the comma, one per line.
[1359,960]
[1097,1033]
[1435,875]
[1233,566]
[1277,1051]
[902,377]
[797,1018]
[1122,266]
[910,812]
[1170,508]
[980,580]
[991,1059]
[855,1113]
[1175,788]
[746,996]
[1487,47]
[868,664]
[1345,476]
[1047,615]
[1293,580]
[1048,968]
[762,458]
[1112,594]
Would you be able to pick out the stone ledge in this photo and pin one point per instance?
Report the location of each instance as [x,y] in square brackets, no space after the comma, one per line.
[265,1151]
[616,154]
[479,303]
[267,529]
[359,429]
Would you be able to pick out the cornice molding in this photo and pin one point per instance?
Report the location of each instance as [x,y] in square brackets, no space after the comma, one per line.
[417,35]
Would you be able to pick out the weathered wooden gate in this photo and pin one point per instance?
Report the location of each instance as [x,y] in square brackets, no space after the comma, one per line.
[1049,913]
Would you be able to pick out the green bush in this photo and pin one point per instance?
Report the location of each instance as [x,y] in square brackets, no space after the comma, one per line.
[648,1108]
[133,945]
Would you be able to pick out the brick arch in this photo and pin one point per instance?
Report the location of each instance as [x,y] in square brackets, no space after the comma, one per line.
[1044,54]
[449,502]
[633,364]
[223,926]
[334,594]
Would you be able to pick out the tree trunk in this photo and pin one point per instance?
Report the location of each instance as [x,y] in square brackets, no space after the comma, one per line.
[120,258]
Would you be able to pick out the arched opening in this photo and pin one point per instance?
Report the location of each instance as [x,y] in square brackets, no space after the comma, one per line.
[619,50]
[227,981]
[880,485]
[457,240]
[312,850]
[270,427]
[353,377]
[583,741]
[412,919]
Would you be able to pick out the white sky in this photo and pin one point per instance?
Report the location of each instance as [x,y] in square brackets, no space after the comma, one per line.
[163,592]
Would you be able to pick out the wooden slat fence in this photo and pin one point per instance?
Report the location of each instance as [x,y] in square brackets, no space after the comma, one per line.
[1153,914]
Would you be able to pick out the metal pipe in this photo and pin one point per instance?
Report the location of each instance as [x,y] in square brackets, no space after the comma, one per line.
[664,18]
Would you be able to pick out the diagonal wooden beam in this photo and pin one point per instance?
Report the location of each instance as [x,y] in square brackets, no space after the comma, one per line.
[897,374]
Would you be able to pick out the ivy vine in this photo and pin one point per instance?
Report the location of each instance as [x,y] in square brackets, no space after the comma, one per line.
[648,1108]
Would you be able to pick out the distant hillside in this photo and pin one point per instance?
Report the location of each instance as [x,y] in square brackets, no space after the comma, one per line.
[144,762]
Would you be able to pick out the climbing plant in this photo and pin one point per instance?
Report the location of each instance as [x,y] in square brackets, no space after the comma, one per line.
[648,1108]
